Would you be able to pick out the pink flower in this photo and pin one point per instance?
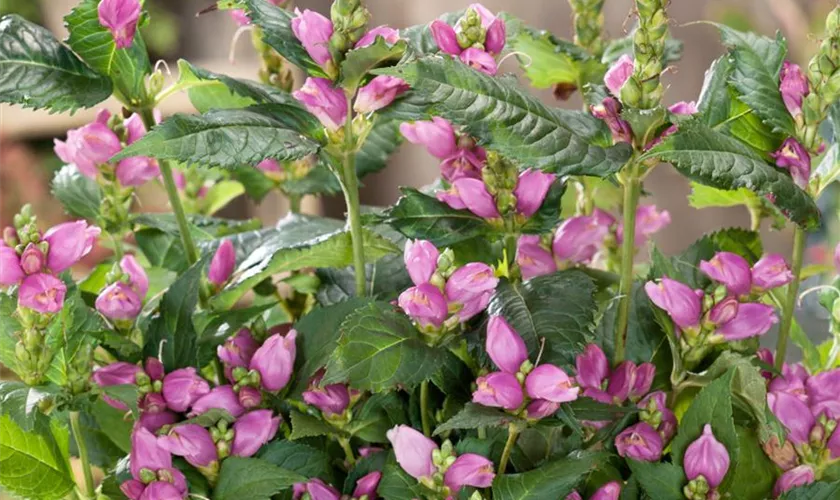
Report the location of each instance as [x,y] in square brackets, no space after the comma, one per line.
[238,350]
[10,270]
[475,196]
[437,136]
[275,361]
[182,387]
[504,345]
[622,380]
[314,32]
[707,457]
[724,311]
[531,190]
[43,293]
[798,476]
[639,442]
[499,390]
[470,282]
[618,74]
[222,264]
[316,490]
[119,373]
[730,269]
[681,303]
[69,242]
[642,380]
[794,87]
[120,18]
[32,260]
[610,111]
[794,414]
[445,37]
[551,383]
[579,238]
[331,399]
[420,257]
[155,421]
[327,103]
[221,397]
[465,162]
[752,320]
[147,453]
[649,221]
[137,171]
[770,272]
[413,451]
[683,108]
[390,35]
[191,441]
[592,367]
[609,491]
[425,304]
[469,469]
[532,258]
[253,430]
[380,92]
[367,484]
[793,156]
[479,60]
[119,302]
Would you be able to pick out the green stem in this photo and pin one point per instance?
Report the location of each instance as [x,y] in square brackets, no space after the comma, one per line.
[350,186]
[632,190]
[89,488]
[118,247]
[174,198]
[424,408]
[294,203]
[513,433]
[348,450]
[792,293]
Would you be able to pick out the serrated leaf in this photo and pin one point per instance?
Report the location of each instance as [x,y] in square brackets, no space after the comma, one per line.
[754,473]
[80,195]
[95,44]
[545,63]
[252,478]
[379,349]
[102,452]
[358,62]
[124,393]
[230,137]
[20,402]
[72,333]
[662,481]
[299,458]
[396,484]
[711,158]
[37,71]
[114,424]
[553,480]
[379,414]
[9,328]
[814,491]
[558,307]
[32,464]
[510,120]
[714,101]
[473,416]
[417,215]
[304,426]
[381,142]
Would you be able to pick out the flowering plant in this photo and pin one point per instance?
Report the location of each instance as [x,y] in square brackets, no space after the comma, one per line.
[498,334]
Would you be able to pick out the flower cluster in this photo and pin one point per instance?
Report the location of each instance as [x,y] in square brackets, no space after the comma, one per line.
[792,155]
[122,298]
[459,156]
[476,39]
[546,385]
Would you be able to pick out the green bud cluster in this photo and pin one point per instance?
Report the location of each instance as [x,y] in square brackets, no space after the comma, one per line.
[500,176]
[33,355]
[472,34]
[222,435]
[79,369]
[697,489]
[643,89]
[823,76]
[350,19]
[274,70]
[25,231]
[588,23]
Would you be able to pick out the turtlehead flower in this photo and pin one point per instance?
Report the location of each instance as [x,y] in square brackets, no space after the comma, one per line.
[474,195]
[69,242]
[222,397]
[124,300]
[642,380]
[437,136]
[390,35]
[706,457]
[327,103]
[649,221]
[380,92]
[794,414]
[592,367]
[609,491]
[552,384]
[533,260]
[771,271]
[793,86]
[413,451]
[469,469]
[499,390]
[151,470]
[795,158]
[541,408]
[479,60]
[10,269]
[367,485]
[119,373]
[471,286]
[313,31]
[425,304]
[420,257]
[43,293]
[610,111]
[182,387]
[191,441]
[331,399]
[531,190]
[275,361]
[120,18]
[252,430]
[677,299]
[750,321]
[504,346]
[237,350]
[640,442]
[685,108]
[137,170]
[730,269]
[579,238]
[798,476]
[618,74]
[222,264]
[316,490]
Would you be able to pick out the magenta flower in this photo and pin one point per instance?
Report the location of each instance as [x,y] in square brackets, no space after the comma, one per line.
[642,380]
[237,351]
[43,293]
[707,457]
[793,156]
[668,427]
[249,397]
[473,193]
[685,108]
[69,242]
[120,18]
[793,380]
[32,260]
[794,87]
[499,390]
[469,469]
[649,221]
[191,441]
[327,103]
[609,491]
[752,320]
[579,238]
[137,170]
[367,484]
[552,384]
[413,451]
[592,367]
[445,37]
[10,270]
[618,74]
[724,311]
[770,272]
[119,302]
[331,399]
[470,285]
[677,299]
[151,469]
[380,92]
[541,408]
[420,257]
[316,490]
[252,430]
[531,190]
[390,35]
[182,387]
[794,414]
[147,453]
[621,381]
[119,373]
[154,368]
[314,32]
[639,442]
[154,421]
[479,60]
[730,269]
[504,345]
[221,397]
[89,146]
[610,111]
[533,260]
[465,162]
[275,361]
[452,198]
[437,136]
[798,476]
[822,391]
[425,304]
[222,264]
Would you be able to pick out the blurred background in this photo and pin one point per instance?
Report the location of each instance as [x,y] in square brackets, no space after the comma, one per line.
[27,160]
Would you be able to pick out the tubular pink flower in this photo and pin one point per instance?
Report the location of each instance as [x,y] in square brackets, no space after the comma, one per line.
[479,60]
[730,269]
[552,384]
[445,37]
[42,292]
[69,242]
[794,87]
[10,270]
[504,345]
[752,320]
[771,271]
[533,260]
[379,93]
[437,136]
[191,441]
[498,390]
[120,18]
[253,430]
[618,74]
[706,457]
[677,299]
[413,451]
[640,442]
[313,31]
[420,257]
[793,156]
[469,469]
[798,476]
[182,387]
[531,190]
[425,304]
[222,264]
[390,35]
[326,102]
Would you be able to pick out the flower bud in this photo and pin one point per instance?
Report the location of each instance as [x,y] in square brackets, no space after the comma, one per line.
[68,243]
[420,257]
[618,73]
[445,37]
[677,299]
[531,190]
[771,272]
[222,397]
[413,451]
[642,380]
[621,381]
[730,269]
[504,345]
[367,484]
[469,469]
[327,103]
[784,455]
[793,86]
[798,476]
[237,351]
[275,361]
[315,489]
[533,260]
[541,408]
[574,496]
[119,302]
[609,491]
[496,37]
[425,304]
[649,221]
[437,136]
[794,414]
[32,259]
[579,238]
[551,383]
[332,399]
[222,264]
[706,457]
[191,441]
[794,157]
[479,60]
[724,311]
[592,367]
[253,430]
[182,387]
[136,171]
[43,293]
[470,281]
[314,32]
[380,92]
[390,35]
[752,320]
[475,196]
[610,112]
[498,390]
[10,270]
[120,18]
[639,442]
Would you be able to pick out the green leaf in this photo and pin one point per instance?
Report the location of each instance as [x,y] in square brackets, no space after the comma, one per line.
[714,102]
[95,44]
[417,215]
[550,61]
[553,480]
[252,478]
[814,491]
[36,71]
[229,137]
[304,426]
[558,307]
[209,418]
[747,127]
[220,194]
[80,195]
[379,414]
[381,142]
[72,333]
[589,409]
[300,241]
[276,24]
[161,249]
[379,349]
[396,484]
[662,481]
[419,37]
[171,332]
[33,464]
[20,402]
[113,424]
[754,473]
[124,393]
[711,158]
[299,458]
[756,64]
[102,452]
[9,329]
[359,62]
[473,416]
[512,121]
